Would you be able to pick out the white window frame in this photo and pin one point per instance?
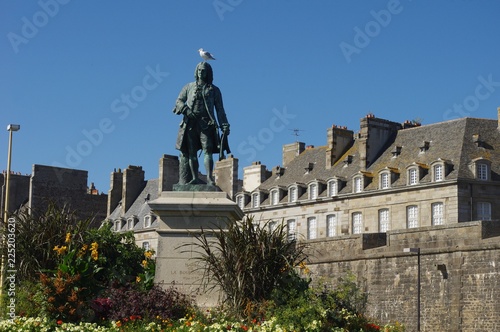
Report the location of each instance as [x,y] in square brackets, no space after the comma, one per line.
[146,246]
[437,213]
[383,220]
[357,223]
[483,210]
[240,200]
[255,200]
[482,171]
[385,180]
[333,188]
[291,229]
[148,220]
[312,228]
[272,226]
[413,177]
[313,190]
[130,223]
[118,225]
[412,216]
[293,194]
[438,172]
[275,197]
[358,184]
[331,225]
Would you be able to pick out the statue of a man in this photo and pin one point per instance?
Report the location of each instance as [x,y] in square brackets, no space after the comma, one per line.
[198,129]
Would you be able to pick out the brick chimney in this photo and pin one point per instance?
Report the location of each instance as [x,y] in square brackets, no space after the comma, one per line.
[169,172]
[133,183]
[374,135]
[226,175]
[292,150]
[254,175]
[338,140]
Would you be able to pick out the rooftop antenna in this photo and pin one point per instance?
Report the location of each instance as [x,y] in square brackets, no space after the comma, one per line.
[296,132]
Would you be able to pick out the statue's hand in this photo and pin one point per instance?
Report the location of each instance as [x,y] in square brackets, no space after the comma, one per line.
[225,128]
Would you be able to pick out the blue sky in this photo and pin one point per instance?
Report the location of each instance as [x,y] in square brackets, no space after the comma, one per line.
[93,83]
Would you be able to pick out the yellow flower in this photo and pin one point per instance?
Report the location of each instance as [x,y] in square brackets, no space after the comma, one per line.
[60,250]
[137,279]
[144,263]
[68,238]
[94,246]
[148,254]
[94,255]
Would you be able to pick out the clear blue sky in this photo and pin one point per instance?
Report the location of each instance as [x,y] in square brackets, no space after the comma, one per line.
[93,83]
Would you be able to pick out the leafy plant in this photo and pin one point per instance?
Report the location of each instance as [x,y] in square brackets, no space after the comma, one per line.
[247,261]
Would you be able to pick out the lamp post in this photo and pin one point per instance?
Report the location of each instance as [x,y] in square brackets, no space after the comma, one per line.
[11,128]
[417,251]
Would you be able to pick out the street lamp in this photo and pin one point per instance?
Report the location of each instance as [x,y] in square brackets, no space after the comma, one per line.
[11,128]
[417,251]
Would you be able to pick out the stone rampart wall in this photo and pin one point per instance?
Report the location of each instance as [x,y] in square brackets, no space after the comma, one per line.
[459,274]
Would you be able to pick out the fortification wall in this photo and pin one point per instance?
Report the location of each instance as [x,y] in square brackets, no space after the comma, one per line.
[459,274]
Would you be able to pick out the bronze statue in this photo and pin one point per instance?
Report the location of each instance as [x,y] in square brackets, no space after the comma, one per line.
[199,128]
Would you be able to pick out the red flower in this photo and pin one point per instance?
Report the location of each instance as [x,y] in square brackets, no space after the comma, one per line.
[59,322]
[245,328]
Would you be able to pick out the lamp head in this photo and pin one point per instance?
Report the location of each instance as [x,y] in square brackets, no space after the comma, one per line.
[13,127]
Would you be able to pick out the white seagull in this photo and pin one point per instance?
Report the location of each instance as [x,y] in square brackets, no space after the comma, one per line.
[206,55]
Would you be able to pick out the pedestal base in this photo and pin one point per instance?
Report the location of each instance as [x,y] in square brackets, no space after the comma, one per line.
[182,213]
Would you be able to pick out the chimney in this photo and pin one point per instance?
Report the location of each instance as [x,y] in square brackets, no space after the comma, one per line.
[133,183]
[254,175]
[115,190]
[290,151]
[374,136]
[169,172]
[338,140]
[226,175]
[498,117]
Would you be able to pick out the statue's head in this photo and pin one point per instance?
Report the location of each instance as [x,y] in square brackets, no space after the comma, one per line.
[204,71]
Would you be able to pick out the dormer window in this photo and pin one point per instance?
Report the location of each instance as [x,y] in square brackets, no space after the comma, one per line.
[148,220]
[117,225]
[275,197]
[396,151]
[415,173]
[255,200]
[131,222]
[481,168]
[385,180]
[358,184]
[413,176]
[333,188]
[425,146]
[313,191]
[438,172]
[293,194]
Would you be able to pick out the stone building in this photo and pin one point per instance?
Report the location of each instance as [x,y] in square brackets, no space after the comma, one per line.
[62,186]
[388,176]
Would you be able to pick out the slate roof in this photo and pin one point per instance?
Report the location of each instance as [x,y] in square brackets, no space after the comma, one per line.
[451,141]
[140,207]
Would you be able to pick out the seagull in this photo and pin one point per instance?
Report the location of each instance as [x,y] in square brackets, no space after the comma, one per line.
[205,55]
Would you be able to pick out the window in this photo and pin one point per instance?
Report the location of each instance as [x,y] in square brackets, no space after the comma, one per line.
[118,224]
[331,225]
[357,223]
[358,184]
[293,194]
[413,176]
[385,180]
[482,171]
[240,200]
[484,211]
[147,221]
[272,226]
[437,213]
[291,229]
[313,191]
[131,223]
[145,245]
[255,200]
[275,197]
[438,172]
[311,228]
[383,220]
[412,216]
[333,188]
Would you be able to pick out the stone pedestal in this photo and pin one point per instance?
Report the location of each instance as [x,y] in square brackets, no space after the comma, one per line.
[182,213]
